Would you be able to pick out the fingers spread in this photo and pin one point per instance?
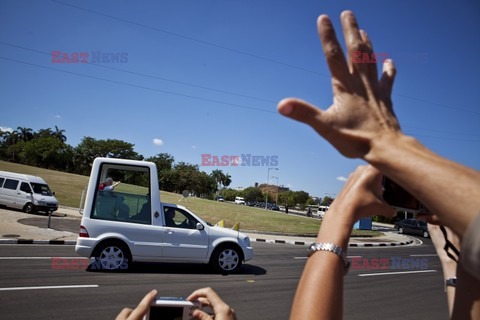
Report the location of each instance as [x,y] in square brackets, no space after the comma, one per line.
[355,45]
[332,50]
[388,75]
[371,67]
[303,112]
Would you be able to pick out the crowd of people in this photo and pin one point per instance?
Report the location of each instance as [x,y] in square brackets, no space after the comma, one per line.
[361,123]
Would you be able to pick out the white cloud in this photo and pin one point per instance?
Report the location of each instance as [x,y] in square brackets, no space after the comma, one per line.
[342,178]
[194,147]
[158,142]
[58,116]
[6,129]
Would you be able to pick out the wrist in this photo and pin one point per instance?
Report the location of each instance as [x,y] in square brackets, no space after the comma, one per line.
[381,146]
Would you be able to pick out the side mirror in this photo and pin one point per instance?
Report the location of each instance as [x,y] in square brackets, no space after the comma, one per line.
[200,226]
[53,192]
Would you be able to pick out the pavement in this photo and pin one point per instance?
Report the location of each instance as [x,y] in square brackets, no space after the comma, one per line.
[19,227]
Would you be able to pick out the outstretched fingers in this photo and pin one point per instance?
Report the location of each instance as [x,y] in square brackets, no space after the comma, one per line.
[332,50]
[304,112]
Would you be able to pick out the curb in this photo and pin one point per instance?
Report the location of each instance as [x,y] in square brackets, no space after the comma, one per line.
[31,241]
[298,243]
[367,244]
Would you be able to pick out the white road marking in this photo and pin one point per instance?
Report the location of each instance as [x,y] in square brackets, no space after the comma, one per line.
[50,287]
[423,255]
[37,258]
[390,273]
[302,258]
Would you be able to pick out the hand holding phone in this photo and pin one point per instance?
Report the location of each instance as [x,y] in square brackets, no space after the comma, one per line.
[170,308]
[401,199]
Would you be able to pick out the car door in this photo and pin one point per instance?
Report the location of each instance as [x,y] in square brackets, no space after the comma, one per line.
[10,191]
[182,239]
[24,195]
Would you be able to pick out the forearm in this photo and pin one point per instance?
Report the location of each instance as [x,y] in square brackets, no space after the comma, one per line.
[449,271]
[429,178]
[320,291]
[467,296]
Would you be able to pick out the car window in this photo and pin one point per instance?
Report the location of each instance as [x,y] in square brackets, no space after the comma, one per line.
[1,181]
[25,187]
[423,224]
[178,218]
[42,189]
[11,184]
[126,198]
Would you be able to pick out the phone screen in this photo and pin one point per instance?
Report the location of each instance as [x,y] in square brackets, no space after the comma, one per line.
[166,313]
[396,196]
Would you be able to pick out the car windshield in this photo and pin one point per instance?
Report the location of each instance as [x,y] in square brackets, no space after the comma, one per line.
[42,189]
[423,224]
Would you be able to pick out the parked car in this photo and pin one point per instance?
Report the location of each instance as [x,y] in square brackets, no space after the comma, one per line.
[239,200]
[130,224]
[26,192]
[412,226]
[220,198]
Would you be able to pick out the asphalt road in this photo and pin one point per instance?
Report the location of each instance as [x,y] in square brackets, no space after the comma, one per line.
[263,290]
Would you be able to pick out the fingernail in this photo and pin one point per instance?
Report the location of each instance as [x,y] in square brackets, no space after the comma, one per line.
[286,109]
[153,291]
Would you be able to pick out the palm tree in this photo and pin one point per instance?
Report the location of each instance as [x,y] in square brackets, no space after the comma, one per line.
[59,134]
[217,175]
[227,179]
[25,134]
[43,133]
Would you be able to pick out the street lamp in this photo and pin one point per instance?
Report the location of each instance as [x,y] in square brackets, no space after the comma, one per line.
[276,198]
[268,181]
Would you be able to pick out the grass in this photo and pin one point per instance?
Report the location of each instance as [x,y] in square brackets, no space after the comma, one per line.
[68,190]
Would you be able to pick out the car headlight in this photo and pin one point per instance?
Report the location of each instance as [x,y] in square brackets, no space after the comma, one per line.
[41,203]
[247,241]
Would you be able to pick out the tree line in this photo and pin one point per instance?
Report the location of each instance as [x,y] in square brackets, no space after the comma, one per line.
[48,148]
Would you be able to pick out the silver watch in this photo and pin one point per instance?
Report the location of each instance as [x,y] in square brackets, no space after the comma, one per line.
[314,247]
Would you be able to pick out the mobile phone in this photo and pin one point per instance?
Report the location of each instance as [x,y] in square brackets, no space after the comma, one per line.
[171,308]
[401,199]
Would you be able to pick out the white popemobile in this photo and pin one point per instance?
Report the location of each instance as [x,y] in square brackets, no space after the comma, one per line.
[129,223]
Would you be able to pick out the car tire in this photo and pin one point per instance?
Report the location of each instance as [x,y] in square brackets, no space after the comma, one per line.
[425,234]
[112,256]
[400,230]
[226,259]
[28,208]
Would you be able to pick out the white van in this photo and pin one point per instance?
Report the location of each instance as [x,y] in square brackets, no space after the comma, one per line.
[239,200]
[29,193]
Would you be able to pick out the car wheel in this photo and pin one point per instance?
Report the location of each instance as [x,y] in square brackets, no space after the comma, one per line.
[425,234]
[112,256]
[28,208]
[226,259]
[400,230]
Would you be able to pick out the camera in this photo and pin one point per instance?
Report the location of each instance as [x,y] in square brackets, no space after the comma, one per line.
[400,199]
[170,308]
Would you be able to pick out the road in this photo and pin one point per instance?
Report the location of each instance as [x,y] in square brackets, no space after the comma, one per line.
[263,290]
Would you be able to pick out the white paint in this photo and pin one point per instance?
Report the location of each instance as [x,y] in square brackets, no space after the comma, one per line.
[50,287]
[393,273]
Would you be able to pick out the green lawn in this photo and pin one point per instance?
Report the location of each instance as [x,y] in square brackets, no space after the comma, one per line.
[68,190]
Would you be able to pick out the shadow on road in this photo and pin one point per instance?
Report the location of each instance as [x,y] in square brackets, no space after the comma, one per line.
[181,268]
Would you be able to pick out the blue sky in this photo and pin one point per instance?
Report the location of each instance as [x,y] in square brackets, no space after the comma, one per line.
[207,76]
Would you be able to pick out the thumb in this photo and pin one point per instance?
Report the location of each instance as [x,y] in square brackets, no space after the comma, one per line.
[201,315]
[302,111]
